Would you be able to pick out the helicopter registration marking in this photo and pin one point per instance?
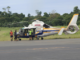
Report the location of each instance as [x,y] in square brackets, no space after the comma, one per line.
[37,25]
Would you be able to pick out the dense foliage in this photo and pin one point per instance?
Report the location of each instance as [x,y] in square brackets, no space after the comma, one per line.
[17,20]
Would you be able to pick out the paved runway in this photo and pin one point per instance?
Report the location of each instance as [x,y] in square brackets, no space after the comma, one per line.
[56,49]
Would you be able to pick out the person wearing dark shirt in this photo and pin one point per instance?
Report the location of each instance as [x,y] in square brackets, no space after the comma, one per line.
[15,35]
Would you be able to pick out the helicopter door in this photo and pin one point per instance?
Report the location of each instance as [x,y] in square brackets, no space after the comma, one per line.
[33,31]
[21,32]
[25,32]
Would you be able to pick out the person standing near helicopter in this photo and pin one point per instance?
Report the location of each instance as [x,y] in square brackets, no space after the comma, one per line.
[15,35]
[30,34]
[11,35]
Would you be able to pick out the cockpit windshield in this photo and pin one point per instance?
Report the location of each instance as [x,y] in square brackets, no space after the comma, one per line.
[46,26]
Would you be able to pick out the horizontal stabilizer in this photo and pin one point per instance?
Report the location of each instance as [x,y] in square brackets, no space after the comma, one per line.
[61,31]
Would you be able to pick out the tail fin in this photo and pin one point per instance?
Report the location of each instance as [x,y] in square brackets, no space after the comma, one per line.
[72,27]
[73,20]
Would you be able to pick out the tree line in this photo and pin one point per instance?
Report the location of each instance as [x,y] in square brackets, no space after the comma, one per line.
[7,18]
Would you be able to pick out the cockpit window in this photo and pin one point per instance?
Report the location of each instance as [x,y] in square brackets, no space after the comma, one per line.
[46,26]
[21,30]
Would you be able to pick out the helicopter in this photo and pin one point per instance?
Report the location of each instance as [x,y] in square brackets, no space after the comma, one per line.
[41,29]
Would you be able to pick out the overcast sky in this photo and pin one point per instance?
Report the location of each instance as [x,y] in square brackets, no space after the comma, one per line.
[29,6]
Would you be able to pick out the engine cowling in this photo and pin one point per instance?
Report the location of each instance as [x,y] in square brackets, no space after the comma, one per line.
[71,29]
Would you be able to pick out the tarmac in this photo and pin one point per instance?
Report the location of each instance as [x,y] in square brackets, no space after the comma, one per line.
[55,49]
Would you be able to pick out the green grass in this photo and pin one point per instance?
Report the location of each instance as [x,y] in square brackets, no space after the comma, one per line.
[4,34]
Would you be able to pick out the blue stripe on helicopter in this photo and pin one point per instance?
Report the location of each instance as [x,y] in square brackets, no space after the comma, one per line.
[49,30]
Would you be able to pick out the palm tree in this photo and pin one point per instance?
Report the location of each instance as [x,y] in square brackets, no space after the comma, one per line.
[8,7]
[4,9]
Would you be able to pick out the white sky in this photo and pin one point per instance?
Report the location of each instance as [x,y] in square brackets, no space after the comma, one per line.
[29,6]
